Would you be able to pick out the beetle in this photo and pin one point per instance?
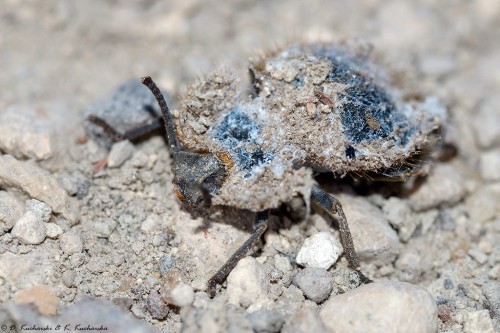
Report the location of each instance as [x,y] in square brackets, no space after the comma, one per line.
[314,107]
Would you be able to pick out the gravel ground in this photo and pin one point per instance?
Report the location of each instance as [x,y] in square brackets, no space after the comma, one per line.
[92,235]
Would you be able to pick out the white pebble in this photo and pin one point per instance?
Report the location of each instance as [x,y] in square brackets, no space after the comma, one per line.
[53,230]
[120,152]
[71,243]
[30,228]
[387,306]
[320,250]
[247,285]
[180,295]
[489,165]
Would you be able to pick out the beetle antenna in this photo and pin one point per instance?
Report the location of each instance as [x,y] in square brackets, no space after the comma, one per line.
[167,116]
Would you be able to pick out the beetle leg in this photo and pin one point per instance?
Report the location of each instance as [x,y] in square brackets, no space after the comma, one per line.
[260,225]
[333,207]
[132,134]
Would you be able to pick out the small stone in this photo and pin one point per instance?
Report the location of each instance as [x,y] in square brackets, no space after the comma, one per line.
[305,321]
[315,282]
[150,224]
[166,264]
[139,159]
[68,278]
[41,296]
[31,228]
[70,243]
[247,284]
[180,295]
[120,152]
[156,306]
[444,186]
[22,137]
[38,183]
[485,123]
[53,230]
[266,321]
[375,241]
[489,165]
[399,215]
[387,306]
[105,227]
[482,205]
[11,210]
[320,250]
[478,322]
[478,256]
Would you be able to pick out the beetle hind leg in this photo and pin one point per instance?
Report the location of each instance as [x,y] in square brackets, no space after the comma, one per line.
[333,208]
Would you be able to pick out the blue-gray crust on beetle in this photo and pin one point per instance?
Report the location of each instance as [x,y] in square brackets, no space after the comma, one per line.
[316,106]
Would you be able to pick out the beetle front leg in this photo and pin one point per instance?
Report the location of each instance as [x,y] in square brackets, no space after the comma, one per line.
[260,225]
[333,208]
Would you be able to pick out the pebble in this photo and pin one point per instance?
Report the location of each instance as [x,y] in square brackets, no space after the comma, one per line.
[156,306]
[11,210]
[53,230]
[68,278]
[71,243]
[375,241]
[266,321]
[399,215]
[20,137]
[180,295]
[105,227]
[478,322]
[485,123]
[482,205]
[38,183]
[315,282]
[444,186]
[387,306]
[247,285]
[478,256]
[120,152]
[41,296]
[489,165]
[305,321]
[150,224]
[31,227]
[320,250]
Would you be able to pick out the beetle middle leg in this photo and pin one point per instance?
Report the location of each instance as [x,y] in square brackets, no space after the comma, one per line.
[133,134]
[333,208]
[260,225]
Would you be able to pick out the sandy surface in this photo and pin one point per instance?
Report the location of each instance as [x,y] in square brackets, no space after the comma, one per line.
[120,234]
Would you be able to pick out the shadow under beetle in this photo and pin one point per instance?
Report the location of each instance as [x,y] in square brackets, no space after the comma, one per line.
[322,90]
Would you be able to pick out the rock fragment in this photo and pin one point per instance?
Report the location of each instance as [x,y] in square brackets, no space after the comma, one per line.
[31,227]
[266,321]
[315,282]
[478,322]
[444,186]
[180,295]
[375,241]
[11,210]
[387,306]
[120,152]
[320,250]
[489,165]
[71,243]
[38,183]
[246,285]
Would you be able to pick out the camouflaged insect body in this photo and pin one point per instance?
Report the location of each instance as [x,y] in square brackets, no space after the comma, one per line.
[316,106]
